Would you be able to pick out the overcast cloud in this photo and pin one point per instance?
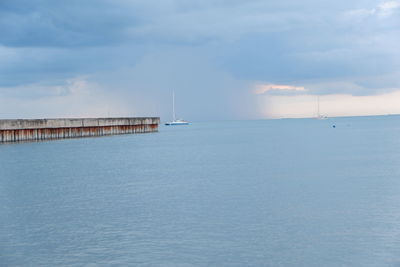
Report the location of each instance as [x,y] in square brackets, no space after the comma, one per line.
[124,57]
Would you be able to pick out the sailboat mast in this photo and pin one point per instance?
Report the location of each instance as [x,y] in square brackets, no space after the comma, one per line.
[318,107]
[173,105]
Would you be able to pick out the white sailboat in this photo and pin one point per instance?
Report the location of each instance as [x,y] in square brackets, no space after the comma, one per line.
[319,116]
[174,120]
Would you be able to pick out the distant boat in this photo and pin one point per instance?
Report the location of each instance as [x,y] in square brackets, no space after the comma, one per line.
[174,120]
[319,116]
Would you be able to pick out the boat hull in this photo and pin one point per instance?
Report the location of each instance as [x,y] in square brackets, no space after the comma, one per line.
[174,123]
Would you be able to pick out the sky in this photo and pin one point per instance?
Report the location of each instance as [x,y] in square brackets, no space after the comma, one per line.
[224,59]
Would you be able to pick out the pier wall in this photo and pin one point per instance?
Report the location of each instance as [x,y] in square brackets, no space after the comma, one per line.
[46,129]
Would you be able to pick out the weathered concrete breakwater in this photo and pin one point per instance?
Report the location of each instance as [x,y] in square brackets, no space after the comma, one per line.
[46,129]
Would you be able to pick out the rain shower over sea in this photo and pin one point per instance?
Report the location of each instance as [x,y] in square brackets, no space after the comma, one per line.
[292,192]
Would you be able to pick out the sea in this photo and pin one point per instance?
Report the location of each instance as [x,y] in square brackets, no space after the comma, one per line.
[288,192]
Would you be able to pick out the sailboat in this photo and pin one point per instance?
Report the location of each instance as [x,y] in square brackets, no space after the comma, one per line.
[174,120]
[319,116]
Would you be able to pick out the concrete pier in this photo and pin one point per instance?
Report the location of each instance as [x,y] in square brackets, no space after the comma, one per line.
[46,129]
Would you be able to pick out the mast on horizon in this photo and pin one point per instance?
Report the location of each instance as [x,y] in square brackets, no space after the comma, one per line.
[319,116]
[173,106]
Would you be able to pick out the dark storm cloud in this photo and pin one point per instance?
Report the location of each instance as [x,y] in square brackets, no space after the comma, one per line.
[62,23]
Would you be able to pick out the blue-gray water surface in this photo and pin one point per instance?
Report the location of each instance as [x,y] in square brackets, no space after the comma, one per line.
[238,193]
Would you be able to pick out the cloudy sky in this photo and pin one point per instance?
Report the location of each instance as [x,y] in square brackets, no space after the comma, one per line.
[225,59]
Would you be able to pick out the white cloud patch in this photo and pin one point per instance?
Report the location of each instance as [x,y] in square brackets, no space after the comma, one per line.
[263,88]
[385,9]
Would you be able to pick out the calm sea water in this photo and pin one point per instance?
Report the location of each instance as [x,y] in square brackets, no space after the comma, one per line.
[240,193]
